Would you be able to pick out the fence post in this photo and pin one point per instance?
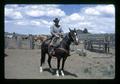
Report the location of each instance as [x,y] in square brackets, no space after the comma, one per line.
[18,41]
[6,42]
[31,41]
[85,44]
[107,39]
[99,44]
[14,36]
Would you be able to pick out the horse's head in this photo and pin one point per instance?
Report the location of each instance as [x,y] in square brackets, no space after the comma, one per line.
[73,36]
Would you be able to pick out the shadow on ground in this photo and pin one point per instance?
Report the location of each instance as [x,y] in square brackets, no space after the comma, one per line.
[5,55]
[65,72]
[98,51]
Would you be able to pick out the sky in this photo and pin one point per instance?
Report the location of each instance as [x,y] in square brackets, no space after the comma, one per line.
[37,18]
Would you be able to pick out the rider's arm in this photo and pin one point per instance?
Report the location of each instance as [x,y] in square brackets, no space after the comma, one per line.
[52,31]
[61,31]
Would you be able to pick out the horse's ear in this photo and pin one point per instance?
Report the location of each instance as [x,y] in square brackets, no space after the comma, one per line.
[74,29]
[69,29]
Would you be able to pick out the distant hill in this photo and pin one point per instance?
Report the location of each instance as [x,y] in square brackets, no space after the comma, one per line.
[81,32]
[8,33]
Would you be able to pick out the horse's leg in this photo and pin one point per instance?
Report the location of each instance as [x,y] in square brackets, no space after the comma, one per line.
[41,69]
[49,63]
[58,65]
[42,59]
[63,62]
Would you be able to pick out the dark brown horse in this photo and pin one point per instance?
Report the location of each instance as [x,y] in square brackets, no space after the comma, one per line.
[61,51]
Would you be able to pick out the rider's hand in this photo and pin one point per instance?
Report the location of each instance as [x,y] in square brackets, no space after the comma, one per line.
[56,35]
[60,34]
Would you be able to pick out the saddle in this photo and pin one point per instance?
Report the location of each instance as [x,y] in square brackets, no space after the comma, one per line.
[56,41]
[54,45]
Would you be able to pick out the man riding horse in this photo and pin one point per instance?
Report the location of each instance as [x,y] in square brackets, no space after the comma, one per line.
[61,51]
[57,35]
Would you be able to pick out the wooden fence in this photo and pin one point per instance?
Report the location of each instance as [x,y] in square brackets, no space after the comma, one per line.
[91,41]
[17,41]
[97,45]
[98,37]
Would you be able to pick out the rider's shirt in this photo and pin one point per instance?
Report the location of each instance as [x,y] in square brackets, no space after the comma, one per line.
[54,30]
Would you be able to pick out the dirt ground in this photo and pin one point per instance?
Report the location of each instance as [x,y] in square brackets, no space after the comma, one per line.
[24,64]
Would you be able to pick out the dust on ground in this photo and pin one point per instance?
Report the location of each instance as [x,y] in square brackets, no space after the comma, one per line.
[24,64]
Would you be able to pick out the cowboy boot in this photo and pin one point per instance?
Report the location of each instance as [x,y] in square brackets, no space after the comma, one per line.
[51,51]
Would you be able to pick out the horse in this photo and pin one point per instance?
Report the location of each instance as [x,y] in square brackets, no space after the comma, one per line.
[61,51]
[40,38]
[25,37]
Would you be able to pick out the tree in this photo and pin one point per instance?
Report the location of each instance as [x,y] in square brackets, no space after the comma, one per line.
[85,30]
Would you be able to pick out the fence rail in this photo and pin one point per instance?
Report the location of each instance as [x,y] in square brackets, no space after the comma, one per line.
[13,40]
[98,37]
[17,41]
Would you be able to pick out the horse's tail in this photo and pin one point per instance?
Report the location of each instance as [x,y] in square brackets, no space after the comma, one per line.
[43,53]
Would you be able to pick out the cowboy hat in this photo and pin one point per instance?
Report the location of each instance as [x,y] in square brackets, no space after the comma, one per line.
[56,20]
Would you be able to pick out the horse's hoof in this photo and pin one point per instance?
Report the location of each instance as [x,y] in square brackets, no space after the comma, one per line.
[57,75]
[62,73]
[41,70]
[51,69]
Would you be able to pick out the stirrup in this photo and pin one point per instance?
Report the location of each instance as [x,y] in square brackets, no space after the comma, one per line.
[52,53]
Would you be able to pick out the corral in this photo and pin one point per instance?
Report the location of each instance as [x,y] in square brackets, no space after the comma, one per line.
[19,41]
[13,40]
[23,63]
